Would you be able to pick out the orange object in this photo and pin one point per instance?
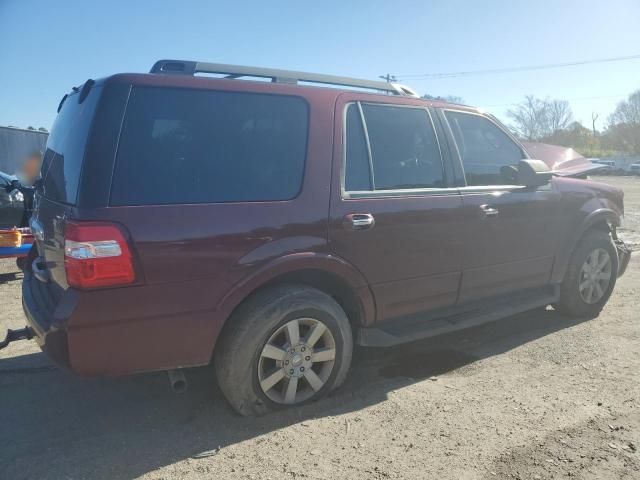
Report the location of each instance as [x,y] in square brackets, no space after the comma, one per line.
[10,238]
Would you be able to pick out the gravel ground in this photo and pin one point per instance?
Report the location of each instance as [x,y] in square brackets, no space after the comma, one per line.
[535,396]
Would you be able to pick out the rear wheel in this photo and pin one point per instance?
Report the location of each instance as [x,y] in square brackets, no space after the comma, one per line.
[590,277]
[21,263]
[285,346]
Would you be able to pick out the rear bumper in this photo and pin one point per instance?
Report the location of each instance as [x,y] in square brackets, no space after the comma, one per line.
[38,306]
[119,331]
[624,255]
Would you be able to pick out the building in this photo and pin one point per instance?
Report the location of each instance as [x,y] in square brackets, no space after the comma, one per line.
[16,144]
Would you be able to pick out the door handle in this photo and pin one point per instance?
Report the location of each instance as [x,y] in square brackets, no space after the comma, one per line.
[358,221]
[489,211]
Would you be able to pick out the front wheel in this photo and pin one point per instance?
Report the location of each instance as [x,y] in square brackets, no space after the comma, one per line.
[590,277]
[285,346]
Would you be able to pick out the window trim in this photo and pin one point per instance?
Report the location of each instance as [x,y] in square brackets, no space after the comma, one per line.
[365,132]
[481,188]
[403,192]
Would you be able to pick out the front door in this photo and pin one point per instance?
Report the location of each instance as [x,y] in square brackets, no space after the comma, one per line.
[393,213]
[510,241]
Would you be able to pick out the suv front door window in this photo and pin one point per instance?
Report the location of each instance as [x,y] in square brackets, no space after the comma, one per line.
[488,154]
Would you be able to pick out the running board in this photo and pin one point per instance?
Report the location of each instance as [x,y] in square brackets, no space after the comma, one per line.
[418,327]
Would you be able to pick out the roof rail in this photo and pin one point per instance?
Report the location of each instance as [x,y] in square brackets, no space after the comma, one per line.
[187,67]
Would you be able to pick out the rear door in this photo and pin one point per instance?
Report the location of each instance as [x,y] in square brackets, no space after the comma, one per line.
[61,169]
[393,213]
[509,239]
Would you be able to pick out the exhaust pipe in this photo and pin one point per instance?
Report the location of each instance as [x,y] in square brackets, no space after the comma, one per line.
[177,381]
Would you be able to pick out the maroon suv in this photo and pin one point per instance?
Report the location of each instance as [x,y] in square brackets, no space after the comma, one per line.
[270,226]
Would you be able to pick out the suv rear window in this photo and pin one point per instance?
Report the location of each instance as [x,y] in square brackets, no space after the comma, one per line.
[62,161]
[196,146]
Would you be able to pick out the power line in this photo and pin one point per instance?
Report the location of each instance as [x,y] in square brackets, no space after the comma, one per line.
[518,69]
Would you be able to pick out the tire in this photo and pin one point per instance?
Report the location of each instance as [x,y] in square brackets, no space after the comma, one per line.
[254,377]
[21,263]
[576,301]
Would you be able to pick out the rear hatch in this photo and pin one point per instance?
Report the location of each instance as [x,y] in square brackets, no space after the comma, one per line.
[61,171]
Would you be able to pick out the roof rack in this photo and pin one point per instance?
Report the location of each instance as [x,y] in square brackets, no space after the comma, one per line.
[187,67]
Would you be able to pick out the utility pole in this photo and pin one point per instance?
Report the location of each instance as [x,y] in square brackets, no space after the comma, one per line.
[594,117]
[389,78]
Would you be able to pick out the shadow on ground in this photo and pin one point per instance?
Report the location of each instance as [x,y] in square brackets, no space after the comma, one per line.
[56,425]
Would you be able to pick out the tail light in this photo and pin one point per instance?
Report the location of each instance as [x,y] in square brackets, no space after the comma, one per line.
[96,255]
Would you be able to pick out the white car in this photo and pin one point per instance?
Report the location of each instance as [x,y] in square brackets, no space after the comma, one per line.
[608,163]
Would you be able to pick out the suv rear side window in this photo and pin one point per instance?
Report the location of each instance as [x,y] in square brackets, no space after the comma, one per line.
[198,146]
[404,149]
[487,152]
[62,161]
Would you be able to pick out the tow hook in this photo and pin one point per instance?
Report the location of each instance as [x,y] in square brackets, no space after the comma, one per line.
[14,335]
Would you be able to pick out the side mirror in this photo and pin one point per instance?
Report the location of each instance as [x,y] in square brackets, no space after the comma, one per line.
[533,173]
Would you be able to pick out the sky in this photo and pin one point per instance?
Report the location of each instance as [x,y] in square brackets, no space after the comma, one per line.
[46,47]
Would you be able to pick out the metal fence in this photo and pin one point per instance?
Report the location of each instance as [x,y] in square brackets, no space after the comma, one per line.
[16,144]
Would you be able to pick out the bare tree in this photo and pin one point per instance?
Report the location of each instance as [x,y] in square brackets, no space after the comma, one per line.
[445,98]
[559,116]
[627,111]
[529,117]
[623,132]
[535,118]
[594,117]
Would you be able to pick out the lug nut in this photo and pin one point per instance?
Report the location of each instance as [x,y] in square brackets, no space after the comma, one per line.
[302,369]
[286,362]
[291,371]
[307,358]
[302,349]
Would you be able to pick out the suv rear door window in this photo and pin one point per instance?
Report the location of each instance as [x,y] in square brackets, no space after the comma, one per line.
[62,161]
[486,151]
[198,146]
[404,149]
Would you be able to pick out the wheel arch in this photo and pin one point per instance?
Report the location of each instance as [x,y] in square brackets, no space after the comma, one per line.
[601,219]
[328,273]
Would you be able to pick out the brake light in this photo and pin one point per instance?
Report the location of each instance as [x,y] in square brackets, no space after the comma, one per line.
[96,255]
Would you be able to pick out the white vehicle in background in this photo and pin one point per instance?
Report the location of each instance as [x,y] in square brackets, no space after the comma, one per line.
[608,163]
[607,166]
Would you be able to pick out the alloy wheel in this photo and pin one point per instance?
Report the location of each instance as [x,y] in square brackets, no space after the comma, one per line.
[296,361]
[595,276]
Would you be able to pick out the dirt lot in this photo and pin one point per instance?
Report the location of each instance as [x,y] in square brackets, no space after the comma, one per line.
[534,396]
